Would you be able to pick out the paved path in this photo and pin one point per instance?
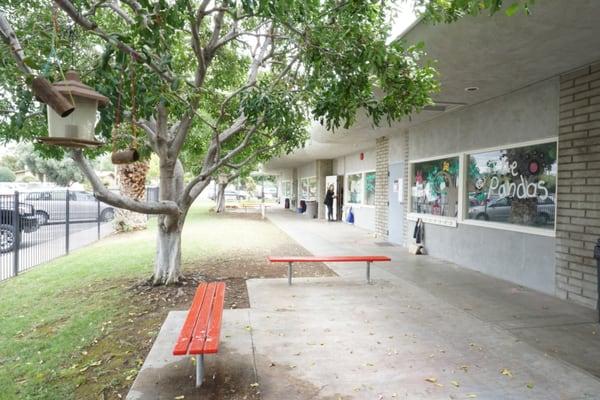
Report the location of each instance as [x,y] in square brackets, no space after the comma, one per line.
[424,330]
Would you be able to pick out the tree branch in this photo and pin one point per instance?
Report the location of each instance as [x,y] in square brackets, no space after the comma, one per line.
[91,26]
[12,41]
[105,195]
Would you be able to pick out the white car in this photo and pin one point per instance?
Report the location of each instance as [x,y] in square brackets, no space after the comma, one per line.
[51,205]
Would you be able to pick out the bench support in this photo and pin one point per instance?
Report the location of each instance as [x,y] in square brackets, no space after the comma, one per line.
[199,370]
[368,271]
[290,274]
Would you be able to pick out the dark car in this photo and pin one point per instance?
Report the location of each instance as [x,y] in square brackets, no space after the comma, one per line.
[27,222]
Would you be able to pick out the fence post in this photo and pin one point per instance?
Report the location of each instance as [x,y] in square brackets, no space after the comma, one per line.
[98,217]
[67,218]
[16,223]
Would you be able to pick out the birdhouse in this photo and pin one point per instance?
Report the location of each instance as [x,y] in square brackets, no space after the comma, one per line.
[77,128]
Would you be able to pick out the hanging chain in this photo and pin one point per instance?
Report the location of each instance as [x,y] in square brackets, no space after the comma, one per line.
[117,115]
[133,104]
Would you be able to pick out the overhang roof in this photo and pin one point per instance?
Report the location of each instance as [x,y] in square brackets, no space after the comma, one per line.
[497,54]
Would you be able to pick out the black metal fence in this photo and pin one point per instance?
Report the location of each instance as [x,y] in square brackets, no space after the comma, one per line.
[36,227]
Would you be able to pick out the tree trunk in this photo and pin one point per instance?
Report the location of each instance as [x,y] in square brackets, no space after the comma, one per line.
[221,197]
[167,269]
[167,265]
[132,183]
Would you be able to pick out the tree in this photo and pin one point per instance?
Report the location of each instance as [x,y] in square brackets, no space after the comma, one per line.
[6,175]
[212,79]
[62,172]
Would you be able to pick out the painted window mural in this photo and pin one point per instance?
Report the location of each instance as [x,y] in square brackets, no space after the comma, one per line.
[312,188]
[355,188]
[308,188]
[515,186]
[435,187]
[370,188]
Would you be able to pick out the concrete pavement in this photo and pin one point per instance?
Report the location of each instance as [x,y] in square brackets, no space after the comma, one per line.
[425,329]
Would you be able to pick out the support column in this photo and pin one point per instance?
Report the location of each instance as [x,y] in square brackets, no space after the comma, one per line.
[382,162]
[578,198]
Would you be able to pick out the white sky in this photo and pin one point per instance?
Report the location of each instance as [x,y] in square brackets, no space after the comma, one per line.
[404,18]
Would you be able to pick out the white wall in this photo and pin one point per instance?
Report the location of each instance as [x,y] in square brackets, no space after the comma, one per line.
[364,216]
[528,114]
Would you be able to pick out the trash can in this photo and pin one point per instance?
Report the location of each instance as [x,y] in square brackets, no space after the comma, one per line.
[286,203]
[311,209]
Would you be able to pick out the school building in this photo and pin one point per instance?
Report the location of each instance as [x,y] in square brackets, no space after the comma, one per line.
[503,170]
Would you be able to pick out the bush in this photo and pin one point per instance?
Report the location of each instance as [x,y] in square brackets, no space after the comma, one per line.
[6,175]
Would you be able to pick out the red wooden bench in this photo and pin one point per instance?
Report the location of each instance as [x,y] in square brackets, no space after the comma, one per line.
[329,259]
[201,331]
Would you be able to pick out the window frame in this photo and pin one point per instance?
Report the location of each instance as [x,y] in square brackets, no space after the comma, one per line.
[431,218]
[363,184]
[302,194]
[463,194]
[504,225]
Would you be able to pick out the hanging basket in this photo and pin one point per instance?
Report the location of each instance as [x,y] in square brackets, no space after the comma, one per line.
[125,156]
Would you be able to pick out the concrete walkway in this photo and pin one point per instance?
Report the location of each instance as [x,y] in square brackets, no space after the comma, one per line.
[424,329]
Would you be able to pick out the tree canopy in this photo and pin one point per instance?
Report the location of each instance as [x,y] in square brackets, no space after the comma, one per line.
[208,86]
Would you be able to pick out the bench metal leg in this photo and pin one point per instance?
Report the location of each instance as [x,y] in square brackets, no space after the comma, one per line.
[199,370]
[290,274]
[368,272]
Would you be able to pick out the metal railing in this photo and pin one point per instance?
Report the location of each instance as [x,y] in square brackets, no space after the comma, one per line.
[36,227]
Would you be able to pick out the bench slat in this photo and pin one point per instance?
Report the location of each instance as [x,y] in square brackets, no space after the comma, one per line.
[328,258]
[213,336]
[185,336]
[199,334]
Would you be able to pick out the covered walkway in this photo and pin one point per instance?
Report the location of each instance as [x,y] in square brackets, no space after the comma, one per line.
[424,329]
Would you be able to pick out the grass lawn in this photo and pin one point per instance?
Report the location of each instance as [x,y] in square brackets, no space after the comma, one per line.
[80,326]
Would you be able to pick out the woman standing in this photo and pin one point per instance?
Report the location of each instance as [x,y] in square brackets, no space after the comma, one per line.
[329,196]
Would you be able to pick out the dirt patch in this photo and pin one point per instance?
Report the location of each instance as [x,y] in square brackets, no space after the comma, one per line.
[107,368]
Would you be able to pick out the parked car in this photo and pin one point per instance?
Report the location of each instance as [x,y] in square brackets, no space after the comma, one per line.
[500,210]
[52,206]
[27,222]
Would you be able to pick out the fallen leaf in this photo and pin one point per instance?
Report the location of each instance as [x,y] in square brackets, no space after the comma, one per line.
[179,397]
[431,380]
[471,396]
[530,385]
[455,383]
[506,372]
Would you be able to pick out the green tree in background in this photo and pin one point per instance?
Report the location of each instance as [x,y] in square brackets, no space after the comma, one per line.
[6,175]
[62,172]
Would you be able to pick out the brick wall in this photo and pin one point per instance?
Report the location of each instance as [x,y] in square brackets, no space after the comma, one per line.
[382,154]
[578,199]
[406,231]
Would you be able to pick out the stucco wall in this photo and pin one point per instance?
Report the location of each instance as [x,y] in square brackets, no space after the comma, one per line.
[527,114]
[364,216]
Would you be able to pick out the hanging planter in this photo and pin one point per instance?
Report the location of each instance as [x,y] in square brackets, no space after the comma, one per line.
[78,127]
[131,154]
[125,156]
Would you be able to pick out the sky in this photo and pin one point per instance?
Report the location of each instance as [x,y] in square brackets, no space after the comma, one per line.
[404,18]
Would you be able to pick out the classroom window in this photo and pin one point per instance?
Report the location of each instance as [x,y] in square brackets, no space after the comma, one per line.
[355,188]
[514,186]
[312,188]
[370,188]
[434,187]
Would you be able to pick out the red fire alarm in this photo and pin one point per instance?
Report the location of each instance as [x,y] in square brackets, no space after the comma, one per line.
[362,156]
